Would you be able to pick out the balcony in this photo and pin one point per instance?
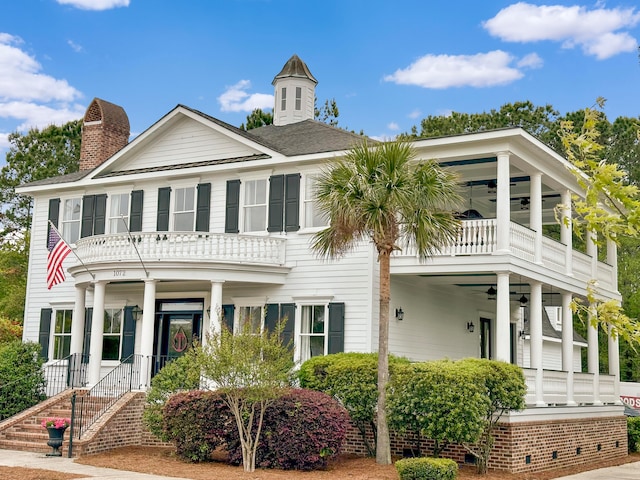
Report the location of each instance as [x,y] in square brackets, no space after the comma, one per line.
[478,237]
[182,246]
[554,388]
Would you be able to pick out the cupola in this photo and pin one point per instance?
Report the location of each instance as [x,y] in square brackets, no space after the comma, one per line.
[294,93]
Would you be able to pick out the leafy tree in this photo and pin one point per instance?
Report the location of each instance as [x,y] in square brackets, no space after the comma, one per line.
[36,155]
[14,264]
[257,118]
[328,113]
[380,194]
[250,370]
[9,330]
[21,377]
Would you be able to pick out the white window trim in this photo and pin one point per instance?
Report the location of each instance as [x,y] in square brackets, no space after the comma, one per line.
[303,206]
[309,302]
[240,302]
[52,331]
[121,308]
[243,205]
[110,216]
[61,222]
[172,206]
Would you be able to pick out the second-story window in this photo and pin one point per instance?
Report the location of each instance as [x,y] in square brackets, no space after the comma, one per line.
[312,217]
[119,213]
[298,98]
[71,220]
[184,209]
[283,99]
[255,205]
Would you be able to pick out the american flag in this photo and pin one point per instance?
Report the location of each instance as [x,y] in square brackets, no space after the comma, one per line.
[58,251]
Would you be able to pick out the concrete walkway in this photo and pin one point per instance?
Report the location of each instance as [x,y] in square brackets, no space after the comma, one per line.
[12,458]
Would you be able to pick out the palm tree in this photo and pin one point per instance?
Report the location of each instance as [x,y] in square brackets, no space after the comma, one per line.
[379,193]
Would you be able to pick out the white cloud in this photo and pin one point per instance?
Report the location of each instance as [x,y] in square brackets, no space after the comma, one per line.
[40,116]
[532,60]
[593,30]
[74,46]
[444,71]
[393,126]
[95,4]
[415,114]
[236,98]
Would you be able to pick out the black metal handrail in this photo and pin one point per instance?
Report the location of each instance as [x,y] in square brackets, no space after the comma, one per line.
[87,407]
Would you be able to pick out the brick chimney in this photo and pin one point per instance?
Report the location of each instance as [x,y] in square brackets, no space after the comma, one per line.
[105,130]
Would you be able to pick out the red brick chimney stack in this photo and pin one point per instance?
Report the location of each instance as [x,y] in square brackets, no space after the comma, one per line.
[105,130]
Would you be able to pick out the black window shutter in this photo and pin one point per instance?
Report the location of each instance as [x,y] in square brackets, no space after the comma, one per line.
[271,316]
[54,215]
[292,203]
[86,345]
[88,205]
[276,203]
[233,207]
[45,332]
[202,207]
[128,335]
[227,316]
[288,315]
[336,327]
[135,216]
[164,199]
[100,214]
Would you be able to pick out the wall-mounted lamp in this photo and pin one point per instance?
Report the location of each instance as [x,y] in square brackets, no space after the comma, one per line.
[491,293]
[399,314]
[522,334]
[136,312]
[470,327]
[209,312]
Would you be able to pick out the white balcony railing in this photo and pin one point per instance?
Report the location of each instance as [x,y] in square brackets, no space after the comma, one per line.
[554,388]
[182,246]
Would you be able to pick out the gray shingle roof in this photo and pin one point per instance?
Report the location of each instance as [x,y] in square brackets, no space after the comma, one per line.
[306,137]
[549,331]
[69,177]
[295,67]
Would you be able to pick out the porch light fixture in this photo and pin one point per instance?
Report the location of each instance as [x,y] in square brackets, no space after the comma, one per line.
[470,327]
[524,204]
[491,293]
[523,301]
[399,314]
[492,187]
[209,312]
[136,312]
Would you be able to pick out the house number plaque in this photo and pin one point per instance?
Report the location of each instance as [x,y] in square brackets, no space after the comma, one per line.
[118,273]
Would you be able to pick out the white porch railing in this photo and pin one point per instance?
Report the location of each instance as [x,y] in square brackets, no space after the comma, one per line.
[182,246]
[554,388]
[522,242]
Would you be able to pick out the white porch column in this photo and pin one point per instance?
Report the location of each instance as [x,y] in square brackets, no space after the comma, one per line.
[535,213]
[146,340]
[592,251]
[503,203]
[77,324]
[566,230]
[614,360]
[535,331]
[97,331]
[215,315]
[567,344]
[612,258]
[503,314]
[593,361]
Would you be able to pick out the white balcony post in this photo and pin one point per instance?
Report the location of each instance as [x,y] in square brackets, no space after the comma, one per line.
[567,344]
[535,213]
[503,313]
[146,341]
[612,258]
[566,231]
[614,360]
[535,331]
[593,361]
[77,323]
[97,331]
[503,203]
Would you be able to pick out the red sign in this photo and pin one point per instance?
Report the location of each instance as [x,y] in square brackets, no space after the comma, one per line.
[633,402]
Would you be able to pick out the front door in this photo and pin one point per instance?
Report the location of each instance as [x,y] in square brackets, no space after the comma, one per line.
[178,325]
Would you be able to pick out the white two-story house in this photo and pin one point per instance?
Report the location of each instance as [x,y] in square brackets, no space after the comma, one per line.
[196,223]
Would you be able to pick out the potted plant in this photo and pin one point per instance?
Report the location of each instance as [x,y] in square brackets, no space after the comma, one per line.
[56,427]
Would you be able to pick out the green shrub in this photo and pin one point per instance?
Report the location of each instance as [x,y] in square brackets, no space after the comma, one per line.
[21,377]
[427,469]
[633,433]
[181,374]
[197,422]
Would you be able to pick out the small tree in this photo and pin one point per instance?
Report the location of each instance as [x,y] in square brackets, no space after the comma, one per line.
[21,379]
[250,370]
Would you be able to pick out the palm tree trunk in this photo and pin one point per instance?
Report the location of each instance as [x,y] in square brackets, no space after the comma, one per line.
[383,449]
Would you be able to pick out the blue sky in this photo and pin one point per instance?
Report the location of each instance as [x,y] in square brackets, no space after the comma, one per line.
[387,64]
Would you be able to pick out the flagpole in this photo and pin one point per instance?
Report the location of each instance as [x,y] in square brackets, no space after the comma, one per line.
[133,242]
[72,250]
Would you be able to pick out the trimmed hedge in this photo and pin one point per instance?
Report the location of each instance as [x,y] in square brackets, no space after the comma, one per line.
[427,469]
[633,433]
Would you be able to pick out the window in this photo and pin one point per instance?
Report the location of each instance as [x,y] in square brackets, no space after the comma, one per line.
[298,98]
[251,316]
[283,99]
[119,213]
[255,205]
[71,220]
[112,334]
[62,334]
[313,340]
[312,217]
[184,209]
